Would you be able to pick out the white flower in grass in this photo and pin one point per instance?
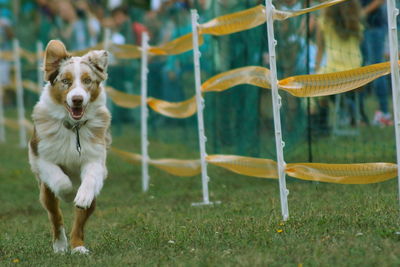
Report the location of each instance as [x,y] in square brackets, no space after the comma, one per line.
[171,242]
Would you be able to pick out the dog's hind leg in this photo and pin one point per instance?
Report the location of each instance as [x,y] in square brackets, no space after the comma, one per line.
[51,203]
[77,233]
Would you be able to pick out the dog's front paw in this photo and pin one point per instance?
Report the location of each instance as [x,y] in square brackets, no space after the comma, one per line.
[80,250]
[60,245]
[84,197]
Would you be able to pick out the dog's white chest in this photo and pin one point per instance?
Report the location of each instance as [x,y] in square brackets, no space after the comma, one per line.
[62,147]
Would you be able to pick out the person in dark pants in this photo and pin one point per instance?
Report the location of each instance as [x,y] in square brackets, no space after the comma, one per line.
[375,33]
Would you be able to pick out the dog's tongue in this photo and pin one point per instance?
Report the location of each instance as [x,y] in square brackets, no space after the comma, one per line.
[77,112]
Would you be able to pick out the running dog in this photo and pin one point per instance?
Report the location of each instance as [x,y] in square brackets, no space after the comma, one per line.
[67,152]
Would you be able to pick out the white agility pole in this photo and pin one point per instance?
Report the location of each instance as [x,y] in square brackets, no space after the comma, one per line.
[200,107]
[106,46]
[107,39]
[20,94]
[144,112]
[2,121]
[394,65]
[39,55]
[2,128]
[276,103]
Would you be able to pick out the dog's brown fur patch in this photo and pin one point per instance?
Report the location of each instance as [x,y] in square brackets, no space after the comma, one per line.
[81,216]
[34,142]
[51,204]
[95,91]
[59,90]
[54,54]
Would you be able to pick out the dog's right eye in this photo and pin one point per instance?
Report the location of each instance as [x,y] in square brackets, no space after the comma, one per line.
[65,81]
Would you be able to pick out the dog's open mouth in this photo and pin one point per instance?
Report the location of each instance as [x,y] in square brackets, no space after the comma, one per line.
[76,112]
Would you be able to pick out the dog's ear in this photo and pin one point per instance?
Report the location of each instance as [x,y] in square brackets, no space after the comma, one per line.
[98,61]
[54,54]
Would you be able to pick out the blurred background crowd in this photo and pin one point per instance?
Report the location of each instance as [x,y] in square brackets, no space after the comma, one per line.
[342,37]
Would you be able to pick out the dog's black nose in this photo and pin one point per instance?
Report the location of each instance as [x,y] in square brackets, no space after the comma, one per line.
[77,100]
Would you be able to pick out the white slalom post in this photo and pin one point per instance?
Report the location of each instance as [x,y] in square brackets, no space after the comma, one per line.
[144,112]
[107,39]
[276,103]
[20,94]
[106,46]
[2,128]
[394,58]
[200,107]
[2,121]
[39,55]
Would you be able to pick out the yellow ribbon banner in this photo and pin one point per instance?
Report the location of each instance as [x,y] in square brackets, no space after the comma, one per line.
[223,25]
[253,17]
[13,124]
[299,86]
[127,156]
[303,85]
[174,47]
[253,75]
[177,46]
[79,53]
[29,56]
[176,167]
[282,15]
[9,55]
[254,167]
[360,173]
[6,55]
[177,110]
[123,99]
[333,83]
[31,86]
[27,84]
[235,22]
[126,51]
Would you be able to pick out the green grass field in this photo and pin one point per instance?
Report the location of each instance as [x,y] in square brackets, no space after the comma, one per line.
[329,225]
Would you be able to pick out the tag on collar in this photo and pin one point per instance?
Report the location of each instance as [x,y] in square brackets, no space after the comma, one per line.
[75,127]
[71,126]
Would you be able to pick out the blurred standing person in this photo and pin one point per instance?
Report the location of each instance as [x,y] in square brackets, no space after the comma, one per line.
[291,40]
[86,13]
[71,28]
[121,25]
[45,19]
[154,23]
[339,36]
[123,74]
[178,69]
[290,51]
[373,50]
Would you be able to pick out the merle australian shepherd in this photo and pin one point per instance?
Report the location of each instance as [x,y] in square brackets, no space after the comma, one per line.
[67,152]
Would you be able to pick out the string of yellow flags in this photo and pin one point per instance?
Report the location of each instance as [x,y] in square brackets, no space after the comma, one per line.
[223,25]
[312,85]
[360,173]
[300,86]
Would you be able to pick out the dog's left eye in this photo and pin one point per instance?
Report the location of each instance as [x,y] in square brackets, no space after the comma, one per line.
[66,81]
[87,81]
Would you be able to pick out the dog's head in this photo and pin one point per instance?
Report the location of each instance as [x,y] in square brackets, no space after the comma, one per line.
[74,81]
